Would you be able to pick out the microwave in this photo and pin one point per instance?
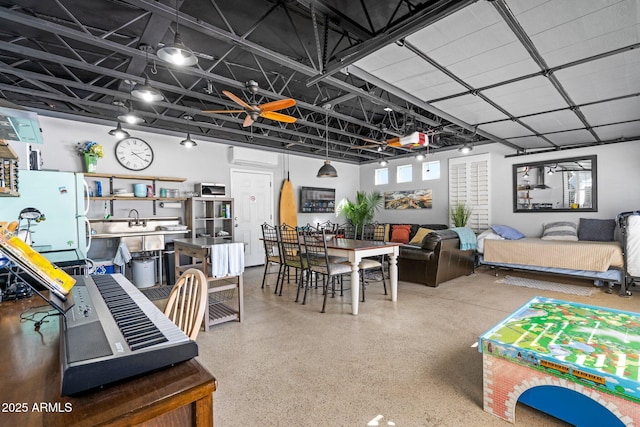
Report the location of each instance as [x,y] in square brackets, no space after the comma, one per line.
[210,190]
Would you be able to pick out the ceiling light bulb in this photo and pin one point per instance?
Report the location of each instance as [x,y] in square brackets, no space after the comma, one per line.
[131,117]
[465,148]
[147,93]
[383,162]
[420,156]
[188,142]
[118,132]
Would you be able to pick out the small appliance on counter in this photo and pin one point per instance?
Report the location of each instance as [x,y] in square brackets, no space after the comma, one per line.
[204,189]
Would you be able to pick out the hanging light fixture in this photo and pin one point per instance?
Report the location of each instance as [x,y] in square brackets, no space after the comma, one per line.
[131,116]
[118,132]
[383,162]
[466,147]
[177,53]
[327,170]
[146,92]
[420,156]
[188,142]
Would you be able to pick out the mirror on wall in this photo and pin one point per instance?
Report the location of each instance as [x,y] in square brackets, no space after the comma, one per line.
[556,185]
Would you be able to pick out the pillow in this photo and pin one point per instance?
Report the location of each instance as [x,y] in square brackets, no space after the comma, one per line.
[600,230]
[417,239]
[400,233]
[487,235]
[561,230]
[507,232]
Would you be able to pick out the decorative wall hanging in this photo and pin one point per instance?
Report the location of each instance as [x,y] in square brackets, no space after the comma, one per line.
[412,199]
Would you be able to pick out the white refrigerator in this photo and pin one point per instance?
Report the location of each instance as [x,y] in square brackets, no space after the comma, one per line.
[62,200]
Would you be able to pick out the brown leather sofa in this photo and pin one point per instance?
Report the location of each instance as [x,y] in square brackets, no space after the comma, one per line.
[437,260]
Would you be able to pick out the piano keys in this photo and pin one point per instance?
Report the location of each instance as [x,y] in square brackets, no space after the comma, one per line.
[113,332]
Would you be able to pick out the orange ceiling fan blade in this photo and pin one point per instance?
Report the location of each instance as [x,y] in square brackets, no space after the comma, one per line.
[239,101]
[223,111]
[248,121]
[354,147]
[272,115]
[373,141]
[394,142]
[277,105]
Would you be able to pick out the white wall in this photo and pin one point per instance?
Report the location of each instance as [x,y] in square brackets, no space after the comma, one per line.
[618,175]
[208,162]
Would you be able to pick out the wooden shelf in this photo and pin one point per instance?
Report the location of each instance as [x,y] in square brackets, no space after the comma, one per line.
[140,177]
[7,192]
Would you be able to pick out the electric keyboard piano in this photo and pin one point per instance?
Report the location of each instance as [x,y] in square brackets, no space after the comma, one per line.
[113,332]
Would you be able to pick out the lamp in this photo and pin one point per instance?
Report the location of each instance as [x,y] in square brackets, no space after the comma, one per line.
[383,162]
[327,170]
[145,92]
[118,132]
[188,142]
[131,117]
[465,148]
[420,156]
[177,53]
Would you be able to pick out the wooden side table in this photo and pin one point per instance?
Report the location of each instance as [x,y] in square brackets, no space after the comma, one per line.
[221,289]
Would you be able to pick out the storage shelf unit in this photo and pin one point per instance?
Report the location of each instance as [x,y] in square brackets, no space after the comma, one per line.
[211,217]
[111,197]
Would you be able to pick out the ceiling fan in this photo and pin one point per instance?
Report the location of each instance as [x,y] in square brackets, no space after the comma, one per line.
[255,110]
[413,140]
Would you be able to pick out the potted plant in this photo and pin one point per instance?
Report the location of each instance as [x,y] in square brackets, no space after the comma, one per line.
[91,151]
[363,209]
[460,214]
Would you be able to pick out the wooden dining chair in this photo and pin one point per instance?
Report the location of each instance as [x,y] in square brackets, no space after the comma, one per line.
[188,302]
[270,240]
[318,262]
[376,232]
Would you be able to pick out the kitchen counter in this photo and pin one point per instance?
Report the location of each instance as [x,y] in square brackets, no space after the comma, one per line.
[138,233]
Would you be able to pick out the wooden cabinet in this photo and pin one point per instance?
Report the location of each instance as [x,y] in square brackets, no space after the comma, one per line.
[108,192]
[211,217]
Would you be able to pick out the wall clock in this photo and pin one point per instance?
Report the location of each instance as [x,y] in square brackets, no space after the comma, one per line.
[134,153]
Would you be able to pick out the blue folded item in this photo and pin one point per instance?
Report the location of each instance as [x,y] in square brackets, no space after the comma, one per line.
[468,239]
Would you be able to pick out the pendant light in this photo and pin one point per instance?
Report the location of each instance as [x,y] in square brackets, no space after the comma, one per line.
[177,53]
[118,132]
[327,170]
[146,92]
[465,148]
[188,142]
[131,116]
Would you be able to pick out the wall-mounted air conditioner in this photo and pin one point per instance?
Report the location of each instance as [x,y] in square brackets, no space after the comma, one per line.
[248,156]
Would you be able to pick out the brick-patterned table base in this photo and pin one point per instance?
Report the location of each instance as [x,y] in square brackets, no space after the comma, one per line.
[505,381]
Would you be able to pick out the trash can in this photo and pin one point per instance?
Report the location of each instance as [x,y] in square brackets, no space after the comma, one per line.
[170,263]
[143,272]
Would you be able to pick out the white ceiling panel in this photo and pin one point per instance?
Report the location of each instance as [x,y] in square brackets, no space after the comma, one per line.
[384,57]
[571,137]
[613,111]
[602,79]
[470,109]
[505,129]
[528,96]
[565,31]
[429,90]
[411,67]
[530,142]
[553,122]
[622,130]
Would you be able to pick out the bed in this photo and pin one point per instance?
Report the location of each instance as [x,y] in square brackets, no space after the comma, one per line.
[601,261]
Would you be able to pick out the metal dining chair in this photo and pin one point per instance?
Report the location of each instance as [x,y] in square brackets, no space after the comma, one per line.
[328,226]
[373,231]
[347,231]
[318,262]
[292,255]
[272,252]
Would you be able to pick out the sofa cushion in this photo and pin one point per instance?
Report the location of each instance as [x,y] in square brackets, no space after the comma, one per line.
[507,232]
[400,233]
[560,230]
[417,238]
[600,230]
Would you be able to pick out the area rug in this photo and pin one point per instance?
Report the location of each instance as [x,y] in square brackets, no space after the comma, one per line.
[548,286]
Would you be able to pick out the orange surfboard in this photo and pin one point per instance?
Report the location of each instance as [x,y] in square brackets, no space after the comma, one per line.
[288,211]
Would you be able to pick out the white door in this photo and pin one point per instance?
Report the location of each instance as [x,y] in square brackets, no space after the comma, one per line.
[252,193]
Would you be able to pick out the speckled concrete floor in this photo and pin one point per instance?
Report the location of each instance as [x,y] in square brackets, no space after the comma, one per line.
[409,363]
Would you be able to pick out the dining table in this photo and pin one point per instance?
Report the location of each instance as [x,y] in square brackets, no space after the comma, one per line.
[354,250]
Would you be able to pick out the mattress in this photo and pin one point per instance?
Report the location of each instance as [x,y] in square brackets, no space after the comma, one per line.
[581,255]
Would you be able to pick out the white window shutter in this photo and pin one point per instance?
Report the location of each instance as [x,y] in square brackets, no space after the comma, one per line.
[469,184]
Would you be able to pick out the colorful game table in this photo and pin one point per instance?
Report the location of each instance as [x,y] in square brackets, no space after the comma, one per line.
[576,362]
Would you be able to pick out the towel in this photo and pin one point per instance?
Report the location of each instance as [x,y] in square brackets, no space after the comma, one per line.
[468,239]
[123,255]
[219,260]
[236,258]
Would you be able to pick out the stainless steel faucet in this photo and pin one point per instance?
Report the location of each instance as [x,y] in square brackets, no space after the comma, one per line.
[136,220]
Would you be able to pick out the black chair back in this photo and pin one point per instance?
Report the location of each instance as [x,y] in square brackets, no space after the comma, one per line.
[373,231]
[347,231]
